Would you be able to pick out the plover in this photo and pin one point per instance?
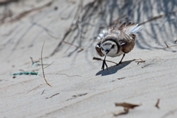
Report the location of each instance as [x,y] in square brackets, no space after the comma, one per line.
[117,41]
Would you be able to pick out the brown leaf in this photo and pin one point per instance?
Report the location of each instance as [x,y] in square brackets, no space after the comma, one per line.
[122,113]
[126,105]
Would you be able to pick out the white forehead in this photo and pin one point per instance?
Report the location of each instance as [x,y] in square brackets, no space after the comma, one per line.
[108,44]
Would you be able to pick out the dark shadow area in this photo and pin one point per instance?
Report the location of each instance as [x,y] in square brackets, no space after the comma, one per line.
[113,69]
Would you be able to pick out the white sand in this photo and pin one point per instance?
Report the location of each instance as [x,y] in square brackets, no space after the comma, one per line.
[80,89]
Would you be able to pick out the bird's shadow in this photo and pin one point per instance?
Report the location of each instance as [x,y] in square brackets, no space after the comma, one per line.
[113,69]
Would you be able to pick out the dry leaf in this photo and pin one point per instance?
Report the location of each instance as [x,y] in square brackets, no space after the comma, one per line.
[122,113]
[126,105]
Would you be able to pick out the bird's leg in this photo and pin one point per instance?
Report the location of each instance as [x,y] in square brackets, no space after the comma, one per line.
[104,63]
[121,59]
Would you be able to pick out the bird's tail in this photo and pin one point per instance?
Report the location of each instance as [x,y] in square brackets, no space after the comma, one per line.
[133,29]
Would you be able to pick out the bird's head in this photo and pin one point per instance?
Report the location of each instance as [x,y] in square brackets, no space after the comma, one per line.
[109,48]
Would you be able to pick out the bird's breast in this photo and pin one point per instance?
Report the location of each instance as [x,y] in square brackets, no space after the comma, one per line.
[114,53]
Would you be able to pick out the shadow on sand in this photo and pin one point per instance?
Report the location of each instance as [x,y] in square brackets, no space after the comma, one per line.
[113,69]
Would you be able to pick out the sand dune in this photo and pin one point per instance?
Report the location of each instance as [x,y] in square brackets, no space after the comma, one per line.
[80,89]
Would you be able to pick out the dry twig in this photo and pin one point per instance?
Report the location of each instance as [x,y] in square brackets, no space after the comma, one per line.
[157,104]
[99,59]
[52,95]
[138,61]
[79,95]
[43,66]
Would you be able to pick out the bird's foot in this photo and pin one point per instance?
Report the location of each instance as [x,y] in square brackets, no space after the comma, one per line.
[104,63]
[119,63]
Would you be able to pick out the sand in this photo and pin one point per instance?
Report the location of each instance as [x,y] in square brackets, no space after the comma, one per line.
[79,88]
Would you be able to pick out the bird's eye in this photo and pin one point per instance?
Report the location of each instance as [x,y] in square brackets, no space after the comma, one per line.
[113,46]
[102,48]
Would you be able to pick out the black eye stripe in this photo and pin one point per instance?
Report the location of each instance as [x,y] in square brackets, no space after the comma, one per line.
[113,41]
[113,46]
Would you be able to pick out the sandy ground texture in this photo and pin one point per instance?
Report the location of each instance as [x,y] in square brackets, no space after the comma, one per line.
[79,88]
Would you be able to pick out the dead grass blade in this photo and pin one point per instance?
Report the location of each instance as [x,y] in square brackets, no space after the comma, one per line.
[157,104]
[52,96]
[43,67]
[99,59]
[138,61]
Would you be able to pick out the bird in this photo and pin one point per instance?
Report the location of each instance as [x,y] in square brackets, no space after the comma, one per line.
[117,41]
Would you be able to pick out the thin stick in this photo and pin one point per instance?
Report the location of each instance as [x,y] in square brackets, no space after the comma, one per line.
[48,65]
[43,66]
[99,59]
[52,95]
[139,61]
[157,104]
